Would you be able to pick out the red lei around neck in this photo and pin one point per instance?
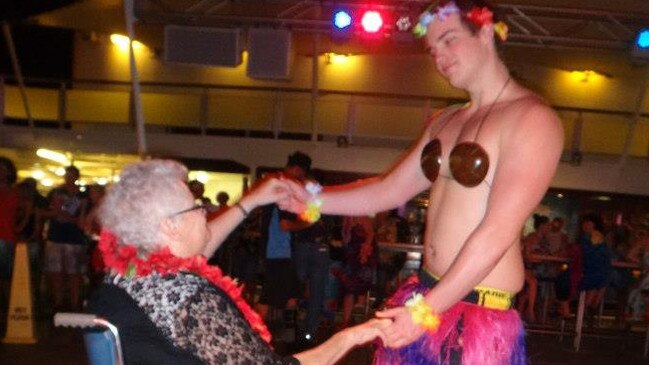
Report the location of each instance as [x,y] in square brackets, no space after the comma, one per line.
[123,259]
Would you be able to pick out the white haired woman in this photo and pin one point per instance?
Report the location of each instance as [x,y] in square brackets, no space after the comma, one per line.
[169,305]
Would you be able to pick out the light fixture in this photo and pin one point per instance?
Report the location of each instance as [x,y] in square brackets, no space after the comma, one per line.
[640,51]
[38,174]
[201,176]
[122,41]
[583,76]
[53,156]
[47,182]
[342,19]
[372,21]
[336,59]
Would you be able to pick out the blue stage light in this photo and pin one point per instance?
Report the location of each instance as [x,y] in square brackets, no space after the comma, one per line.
[342,19]
[642,40]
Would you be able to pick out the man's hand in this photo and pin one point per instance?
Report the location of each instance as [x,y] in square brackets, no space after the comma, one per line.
[297,199]
[403,331]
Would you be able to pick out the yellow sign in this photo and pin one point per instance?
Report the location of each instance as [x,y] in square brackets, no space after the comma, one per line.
[20,317]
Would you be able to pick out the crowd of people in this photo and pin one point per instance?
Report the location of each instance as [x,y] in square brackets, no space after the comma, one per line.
[601,258]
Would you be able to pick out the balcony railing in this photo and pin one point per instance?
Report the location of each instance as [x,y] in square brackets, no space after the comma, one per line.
[374,119]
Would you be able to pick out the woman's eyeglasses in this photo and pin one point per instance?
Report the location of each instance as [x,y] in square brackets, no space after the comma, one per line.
[201,207]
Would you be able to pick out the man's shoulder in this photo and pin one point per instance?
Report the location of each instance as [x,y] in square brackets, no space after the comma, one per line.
[531,112]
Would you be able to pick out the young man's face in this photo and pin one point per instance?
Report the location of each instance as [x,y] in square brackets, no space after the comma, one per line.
[454,48]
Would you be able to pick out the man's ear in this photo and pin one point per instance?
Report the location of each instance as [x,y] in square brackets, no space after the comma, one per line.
[487,33]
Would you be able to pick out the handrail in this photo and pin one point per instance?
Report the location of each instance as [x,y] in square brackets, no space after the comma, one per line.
[200,87]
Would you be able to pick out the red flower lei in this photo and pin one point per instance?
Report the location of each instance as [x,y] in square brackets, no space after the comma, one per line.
[480,16]
[123,259]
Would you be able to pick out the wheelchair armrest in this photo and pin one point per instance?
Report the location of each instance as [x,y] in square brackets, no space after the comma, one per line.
[80,320]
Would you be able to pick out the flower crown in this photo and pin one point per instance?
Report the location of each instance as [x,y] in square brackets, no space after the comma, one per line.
[478,16]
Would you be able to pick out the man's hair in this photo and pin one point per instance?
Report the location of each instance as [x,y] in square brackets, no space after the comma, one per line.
[594,218]
[222,196]
[539,220]
[146,193]
[72,169]
[466,6]
[300,160]
[12,175]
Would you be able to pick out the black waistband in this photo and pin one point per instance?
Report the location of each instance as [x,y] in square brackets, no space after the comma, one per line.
[425,278]
[487,297]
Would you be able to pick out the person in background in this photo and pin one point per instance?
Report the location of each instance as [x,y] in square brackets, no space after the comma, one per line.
[30,230]
[596,261]
[556,238]
[533,243]
[169,305]
[92,228]
[391,228]
[198,190]
[9,205]
[280,288]
[359,265]
[224,257]
[619,242]
[65,248]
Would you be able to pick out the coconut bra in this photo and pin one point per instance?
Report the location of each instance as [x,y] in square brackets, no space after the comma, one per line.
[468,161]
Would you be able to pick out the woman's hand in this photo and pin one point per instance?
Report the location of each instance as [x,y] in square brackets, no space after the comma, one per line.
[403,331]
[368,331]
[297,199]
[268,190]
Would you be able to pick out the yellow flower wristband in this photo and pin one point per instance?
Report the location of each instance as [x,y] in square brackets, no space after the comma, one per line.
[422,314]
[312,212]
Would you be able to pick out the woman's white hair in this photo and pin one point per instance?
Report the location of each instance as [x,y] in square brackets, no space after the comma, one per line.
[147,193]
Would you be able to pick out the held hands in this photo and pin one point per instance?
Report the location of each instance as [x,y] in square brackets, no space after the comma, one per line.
[402,330]
[288,194]
[368,331]
[266,191]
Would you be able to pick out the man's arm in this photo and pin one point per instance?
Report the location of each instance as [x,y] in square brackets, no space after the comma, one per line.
[392,189]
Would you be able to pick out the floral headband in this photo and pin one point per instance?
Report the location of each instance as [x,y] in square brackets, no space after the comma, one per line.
[478,16]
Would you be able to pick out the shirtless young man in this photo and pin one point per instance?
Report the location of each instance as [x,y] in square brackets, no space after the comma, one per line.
[472,261]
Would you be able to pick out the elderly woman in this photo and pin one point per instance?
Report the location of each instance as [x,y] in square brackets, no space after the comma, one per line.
[169,305]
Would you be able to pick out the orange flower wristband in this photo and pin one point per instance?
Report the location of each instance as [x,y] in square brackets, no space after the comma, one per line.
[422,314]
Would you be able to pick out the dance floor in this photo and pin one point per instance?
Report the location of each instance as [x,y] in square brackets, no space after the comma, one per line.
[58,346]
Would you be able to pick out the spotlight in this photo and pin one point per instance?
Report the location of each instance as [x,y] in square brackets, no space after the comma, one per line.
[342,19]
[642,40]
[641,45]
[372,21]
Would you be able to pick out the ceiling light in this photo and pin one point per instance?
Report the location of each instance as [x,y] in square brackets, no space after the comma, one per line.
[337,59]
[53,156]
[38,174]
[122,41]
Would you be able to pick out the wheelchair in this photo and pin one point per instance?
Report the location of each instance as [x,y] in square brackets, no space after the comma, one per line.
[100,336]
